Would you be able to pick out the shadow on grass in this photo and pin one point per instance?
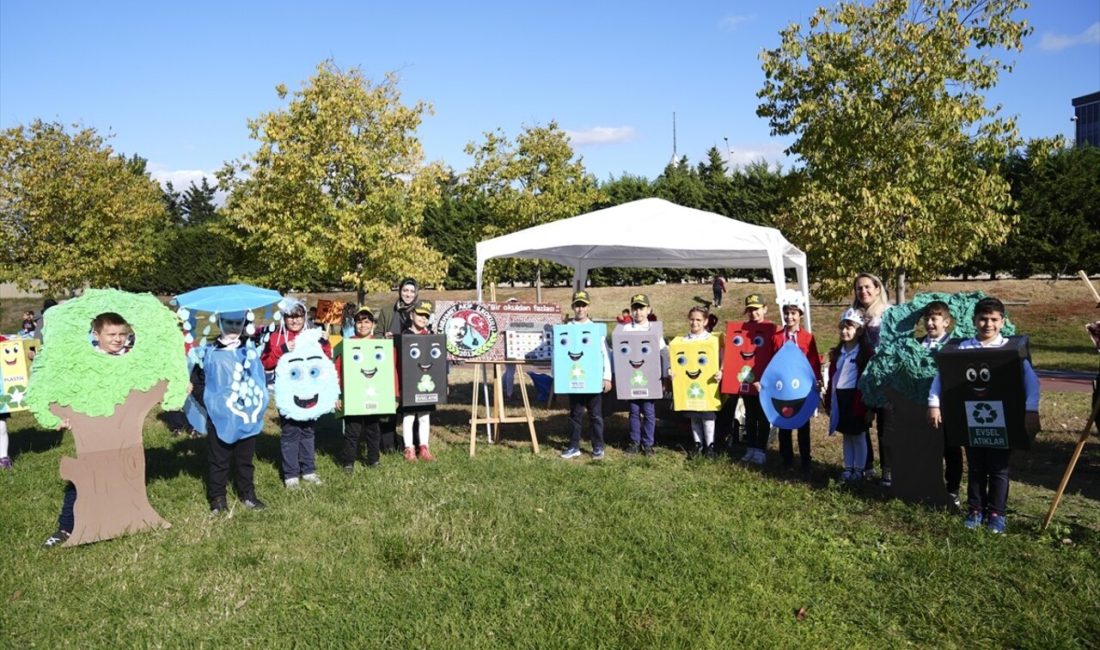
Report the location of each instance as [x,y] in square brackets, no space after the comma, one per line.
[33,440]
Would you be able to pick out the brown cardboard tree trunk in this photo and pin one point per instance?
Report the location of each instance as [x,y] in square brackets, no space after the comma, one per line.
[109,470]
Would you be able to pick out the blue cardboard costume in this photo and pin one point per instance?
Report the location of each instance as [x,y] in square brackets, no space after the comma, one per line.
[788,388]
[577,361]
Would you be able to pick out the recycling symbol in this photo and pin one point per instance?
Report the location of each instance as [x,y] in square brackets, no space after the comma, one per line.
[638,379]
[984,413]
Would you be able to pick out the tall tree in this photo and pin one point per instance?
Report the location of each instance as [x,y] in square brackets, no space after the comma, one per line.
[72,212]
[886,103]
[338,186]
[533,180]
[197,203]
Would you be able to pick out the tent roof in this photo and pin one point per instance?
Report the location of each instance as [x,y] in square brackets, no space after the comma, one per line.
[650,233]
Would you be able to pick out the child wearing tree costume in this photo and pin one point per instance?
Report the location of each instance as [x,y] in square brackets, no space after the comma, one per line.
[987,483]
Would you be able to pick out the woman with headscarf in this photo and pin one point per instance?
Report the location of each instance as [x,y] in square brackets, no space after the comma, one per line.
[407,293]
[870,295]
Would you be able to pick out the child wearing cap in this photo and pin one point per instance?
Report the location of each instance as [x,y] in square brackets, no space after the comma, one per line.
[937,324]
[417,416]
[757,426]
[793,304]
[702,422]
[642,434]
[843,400]
[359,426]
[593,402]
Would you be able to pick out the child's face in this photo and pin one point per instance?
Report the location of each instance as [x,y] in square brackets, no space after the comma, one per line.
[937,324]
[28,315]
[408,294]
[420,320]
[640,313]
[296,322]
[112,338]
[988,325]
[696,322]
[848,331]
[364,327]
[580,311]
[792,317]
[756,314]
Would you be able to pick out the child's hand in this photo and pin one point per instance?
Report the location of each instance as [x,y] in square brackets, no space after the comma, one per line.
[190,388]
[718,376]
[607,385]
[935,419]
[1031,423]
[289,346]
[64,424]
[756,386]
[339,405]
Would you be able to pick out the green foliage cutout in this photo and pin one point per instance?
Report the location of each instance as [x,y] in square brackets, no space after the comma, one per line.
[901,362]
[69,371]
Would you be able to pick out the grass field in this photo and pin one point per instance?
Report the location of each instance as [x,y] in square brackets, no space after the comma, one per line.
[510,549]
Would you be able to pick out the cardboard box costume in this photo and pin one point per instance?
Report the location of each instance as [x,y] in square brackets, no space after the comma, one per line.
[577,361]
[368,378]
[423,369]
[637,361]
[15,371]
[982,394]
[788,388]
[748,351]
[694,369]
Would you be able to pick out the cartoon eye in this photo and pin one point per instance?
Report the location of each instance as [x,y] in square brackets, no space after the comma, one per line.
[584,340]
[564,340]
[645,349]
[624,349]
[779,384]
[314,372]
[435,353]
[702,359]
[983,374]
[295,374]
[414,353]
[738,340]
[971,374]
[378,356]
[758,340]
[356,357]
[795,384]
[682,359]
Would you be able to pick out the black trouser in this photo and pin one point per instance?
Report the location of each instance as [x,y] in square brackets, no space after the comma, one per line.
[726,426]
[593,403]
[757,426]
[952,466]
[355,426]
[176,421]
[987,491]
[883,456]
[787,452]
[218,456]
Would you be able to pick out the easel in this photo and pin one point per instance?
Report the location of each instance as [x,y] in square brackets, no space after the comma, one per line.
[495,414]
[1082,438]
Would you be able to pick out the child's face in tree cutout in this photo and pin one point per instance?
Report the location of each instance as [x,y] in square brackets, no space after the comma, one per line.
[866,291]
[792,318]
[364,326]
[112,338]
[420,320]
[988,325]
[936,325]
[848,332]
[296,322]
[756,314]
[696,322]
[408,294]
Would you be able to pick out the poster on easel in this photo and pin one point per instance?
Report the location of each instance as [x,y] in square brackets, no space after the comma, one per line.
[637,361]
[16,356]
[492,332]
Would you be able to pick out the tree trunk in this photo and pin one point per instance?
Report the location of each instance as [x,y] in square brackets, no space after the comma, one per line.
[109,469]
[900,297]
[538,284]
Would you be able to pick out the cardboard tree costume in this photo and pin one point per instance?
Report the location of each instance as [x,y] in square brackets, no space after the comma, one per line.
[15,373]
[637,360]
[423,370]
[748,351]
[577,360]
[105,398]
[306,386]
[982,394]
[367,366]
[788,388]
[694,369]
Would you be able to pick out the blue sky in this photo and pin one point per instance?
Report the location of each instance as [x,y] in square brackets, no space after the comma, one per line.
[176,83]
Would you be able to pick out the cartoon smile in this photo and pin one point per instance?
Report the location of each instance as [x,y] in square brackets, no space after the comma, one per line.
[305,403]
[788,407]
[637,364]
[424,367]
[747,355]
[575,356]
[693,374]
[12,362]
[369,374]
[980,391]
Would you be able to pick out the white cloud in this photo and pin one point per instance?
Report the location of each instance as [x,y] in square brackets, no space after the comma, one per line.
[744,154]
[601,135]
[731,22]
[181,179]
[1055,42]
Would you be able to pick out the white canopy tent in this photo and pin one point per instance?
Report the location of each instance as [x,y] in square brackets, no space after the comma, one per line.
[652,233]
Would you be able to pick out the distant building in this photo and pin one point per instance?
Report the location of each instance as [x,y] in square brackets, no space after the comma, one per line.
[1086,115]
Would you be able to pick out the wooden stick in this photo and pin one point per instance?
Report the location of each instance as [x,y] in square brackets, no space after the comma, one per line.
[1084,276]
[1085,433]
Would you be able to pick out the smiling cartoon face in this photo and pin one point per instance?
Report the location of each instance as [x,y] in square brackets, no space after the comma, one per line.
[423,369]
[636,358]
[694,366]
[306,386]
[748,351]
[788,393]
[577,359]
[367,365]
[982,394]
[978,377]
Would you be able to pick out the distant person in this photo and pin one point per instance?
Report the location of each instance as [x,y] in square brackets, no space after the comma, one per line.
[718,287]
[30,324]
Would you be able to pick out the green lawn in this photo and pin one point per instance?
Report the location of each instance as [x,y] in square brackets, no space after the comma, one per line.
[515,550]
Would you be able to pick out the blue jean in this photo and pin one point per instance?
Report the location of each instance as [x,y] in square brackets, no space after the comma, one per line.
[987,488]
[638,409]
[297,443]
[593,403]
[66,519]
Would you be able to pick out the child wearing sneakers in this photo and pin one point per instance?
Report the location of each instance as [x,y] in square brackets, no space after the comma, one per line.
[757,426]
[843,400]
[642,432]
[420,415]
[702,422]
[794,306]
[937,325]
[359,426]
[593,402]
[987,483]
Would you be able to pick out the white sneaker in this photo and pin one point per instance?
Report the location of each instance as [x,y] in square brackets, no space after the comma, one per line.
[312,479]
[759,458]
[887,478]
[291,483]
